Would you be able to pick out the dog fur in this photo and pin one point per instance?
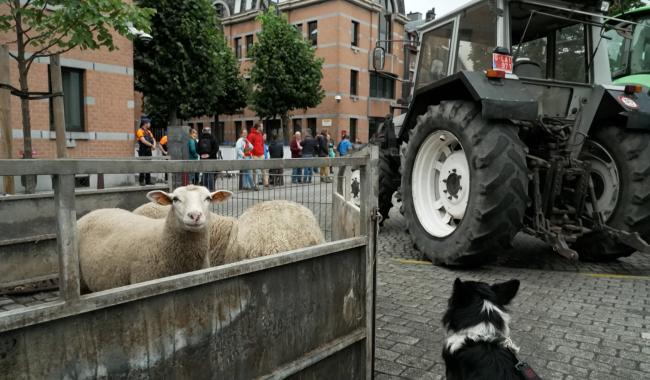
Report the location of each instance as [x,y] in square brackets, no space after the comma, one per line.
[478,344]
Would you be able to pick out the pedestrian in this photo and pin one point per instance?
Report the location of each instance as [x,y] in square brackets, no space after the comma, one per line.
[344,146]
[296,152]
[265,172]
[194,154]
[255,138]
[276,150]
[323,147]
[243,149]
[207,149]
[330,153]
[163,145]
[146,144]
[309,150]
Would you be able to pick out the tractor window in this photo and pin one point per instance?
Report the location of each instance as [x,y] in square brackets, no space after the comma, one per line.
[477,38]
[640,59]
[531,58]
[618,52]
[570,54]
[434,55]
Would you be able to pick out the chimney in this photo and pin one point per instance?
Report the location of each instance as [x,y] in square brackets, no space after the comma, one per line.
[431,14]
[414,16]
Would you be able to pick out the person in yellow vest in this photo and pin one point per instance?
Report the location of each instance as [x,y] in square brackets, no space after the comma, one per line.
[163,145]
[146,144]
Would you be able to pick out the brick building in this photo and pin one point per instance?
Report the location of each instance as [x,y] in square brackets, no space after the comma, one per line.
[99,104]
[344,33]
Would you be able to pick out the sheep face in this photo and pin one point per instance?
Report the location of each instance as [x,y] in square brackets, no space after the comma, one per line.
[190,204]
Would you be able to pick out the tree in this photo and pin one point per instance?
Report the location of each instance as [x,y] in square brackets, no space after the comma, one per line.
[48,27]
[620,6]
[286,74]
[186,70]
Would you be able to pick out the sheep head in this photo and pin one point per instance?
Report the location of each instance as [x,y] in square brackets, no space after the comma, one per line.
[190,204]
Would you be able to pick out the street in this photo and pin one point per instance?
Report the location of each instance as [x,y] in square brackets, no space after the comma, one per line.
[570,320]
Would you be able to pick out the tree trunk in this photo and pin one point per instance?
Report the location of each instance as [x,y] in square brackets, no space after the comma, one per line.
[173,119]
[58,107]
[29,181]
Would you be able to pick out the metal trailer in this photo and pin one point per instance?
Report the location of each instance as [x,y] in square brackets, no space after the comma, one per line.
[308,313]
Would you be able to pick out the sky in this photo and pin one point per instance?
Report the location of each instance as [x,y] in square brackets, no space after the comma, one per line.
[442,6]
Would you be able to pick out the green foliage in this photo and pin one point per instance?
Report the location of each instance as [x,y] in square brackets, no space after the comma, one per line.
[187,70]
[54,26]
[620,6]
[286,74]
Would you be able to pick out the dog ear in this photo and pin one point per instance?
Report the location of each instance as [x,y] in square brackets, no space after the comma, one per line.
[506,291]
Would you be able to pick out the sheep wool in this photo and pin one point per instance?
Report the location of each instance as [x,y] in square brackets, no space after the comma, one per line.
[117,247]
[269,228]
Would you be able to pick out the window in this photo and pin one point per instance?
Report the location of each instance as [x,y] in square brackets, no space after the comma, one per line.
[353,130]
[312,29]
[354,80]
[477,38]
[249,125]
[298,28]
[434,55]
[534,54]
[238,47]
[297,125]
[73,100]
[249,45]
[386,25]
[199,126]
[570,57]
[355,33]
[237,130]
[311,124]
[382,86]
[373,125]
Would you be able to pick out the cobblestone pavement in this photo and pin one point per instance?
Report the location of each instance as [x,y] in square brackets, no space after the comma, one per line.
[571,320]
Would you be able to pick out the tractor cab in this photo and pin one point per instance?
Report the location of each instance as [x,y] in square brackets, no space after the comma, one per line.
[629,47]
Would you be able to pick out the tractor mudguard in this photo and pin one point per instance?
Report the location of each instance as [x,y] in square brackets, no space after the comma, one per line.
[609,104]
[499,98]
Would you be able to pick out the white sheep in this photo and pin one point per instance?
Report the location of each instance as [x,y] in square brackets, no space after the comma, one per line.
[268,228]
[264,229]
[117,247]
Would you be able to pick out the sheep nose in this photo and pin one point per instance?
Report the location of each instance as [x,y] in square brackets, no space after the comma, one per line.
[195,215]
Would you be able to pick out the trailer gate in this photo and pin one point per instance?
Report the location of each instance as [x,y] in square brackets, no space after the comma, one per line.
[307,313]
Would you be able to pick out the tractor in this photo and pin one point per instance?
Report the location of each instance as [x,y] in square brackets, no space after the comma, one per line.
[514,125]
[629,47]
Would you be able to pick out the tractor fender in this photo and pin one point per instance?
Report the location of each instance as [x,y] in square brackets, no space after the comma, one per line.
[499,98]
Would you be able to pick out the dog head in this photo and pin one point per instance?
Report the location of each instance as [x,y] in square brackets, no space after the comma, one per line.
[478,311]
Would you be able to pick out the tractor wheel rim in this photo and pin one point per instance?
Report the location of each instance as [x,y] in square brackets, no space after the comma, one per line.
[605,177]
[440,183]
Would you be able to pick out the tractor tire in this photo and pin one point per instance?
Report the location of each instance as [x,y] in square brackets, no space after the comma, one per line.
[464,182]
[388,172]
[626,186]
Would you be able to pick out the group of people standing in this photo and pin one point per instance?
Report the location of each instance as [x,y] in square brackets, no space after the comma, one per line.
[320,146]
[250,146]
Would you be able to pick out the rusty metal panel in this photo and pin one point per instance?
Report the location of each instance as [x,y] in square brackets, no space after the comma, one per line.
[305,317]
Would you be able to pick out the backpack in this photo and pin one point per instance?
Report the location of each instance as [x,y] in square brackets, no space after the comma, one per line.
[205,147]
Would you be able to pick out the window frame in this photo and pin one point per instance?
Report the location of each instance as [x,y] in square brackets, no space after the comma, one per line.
[249,44]
[82,98]
[238,47]
[355,33]
[354,82]
[312,34]
[380,87]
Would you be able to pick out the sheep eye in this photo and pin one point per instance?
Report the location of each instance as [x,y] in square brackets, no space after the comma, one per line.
[208,199]
[176,199]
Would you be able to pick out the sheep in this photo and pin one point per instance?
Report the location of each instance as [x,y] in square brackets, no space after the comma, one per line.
[264,229]
[220,226]
[268,228]
[117,247]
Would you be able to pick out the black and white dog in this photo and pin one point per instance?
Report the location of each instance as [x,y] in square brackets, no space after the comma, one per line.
[478,344]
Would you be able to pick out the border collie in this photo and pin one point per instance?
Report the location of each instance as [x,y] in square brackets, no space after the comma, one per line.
[478,344]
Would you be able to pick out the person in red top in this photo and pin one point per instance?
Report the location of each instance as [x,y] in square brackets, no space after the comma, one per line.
[255,137]
[296,152]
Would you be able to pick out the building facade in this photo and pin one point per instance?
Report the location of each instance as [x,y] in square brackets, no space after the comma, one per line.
[344,33]
[98,99]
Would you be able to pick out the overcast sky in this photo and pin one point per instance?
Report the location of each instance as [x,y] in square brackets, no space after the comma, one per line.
[442,6]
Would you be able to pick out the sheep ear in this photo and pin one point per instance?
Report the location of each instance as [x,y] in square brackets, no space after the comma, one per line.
[160,197]
[220,195]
